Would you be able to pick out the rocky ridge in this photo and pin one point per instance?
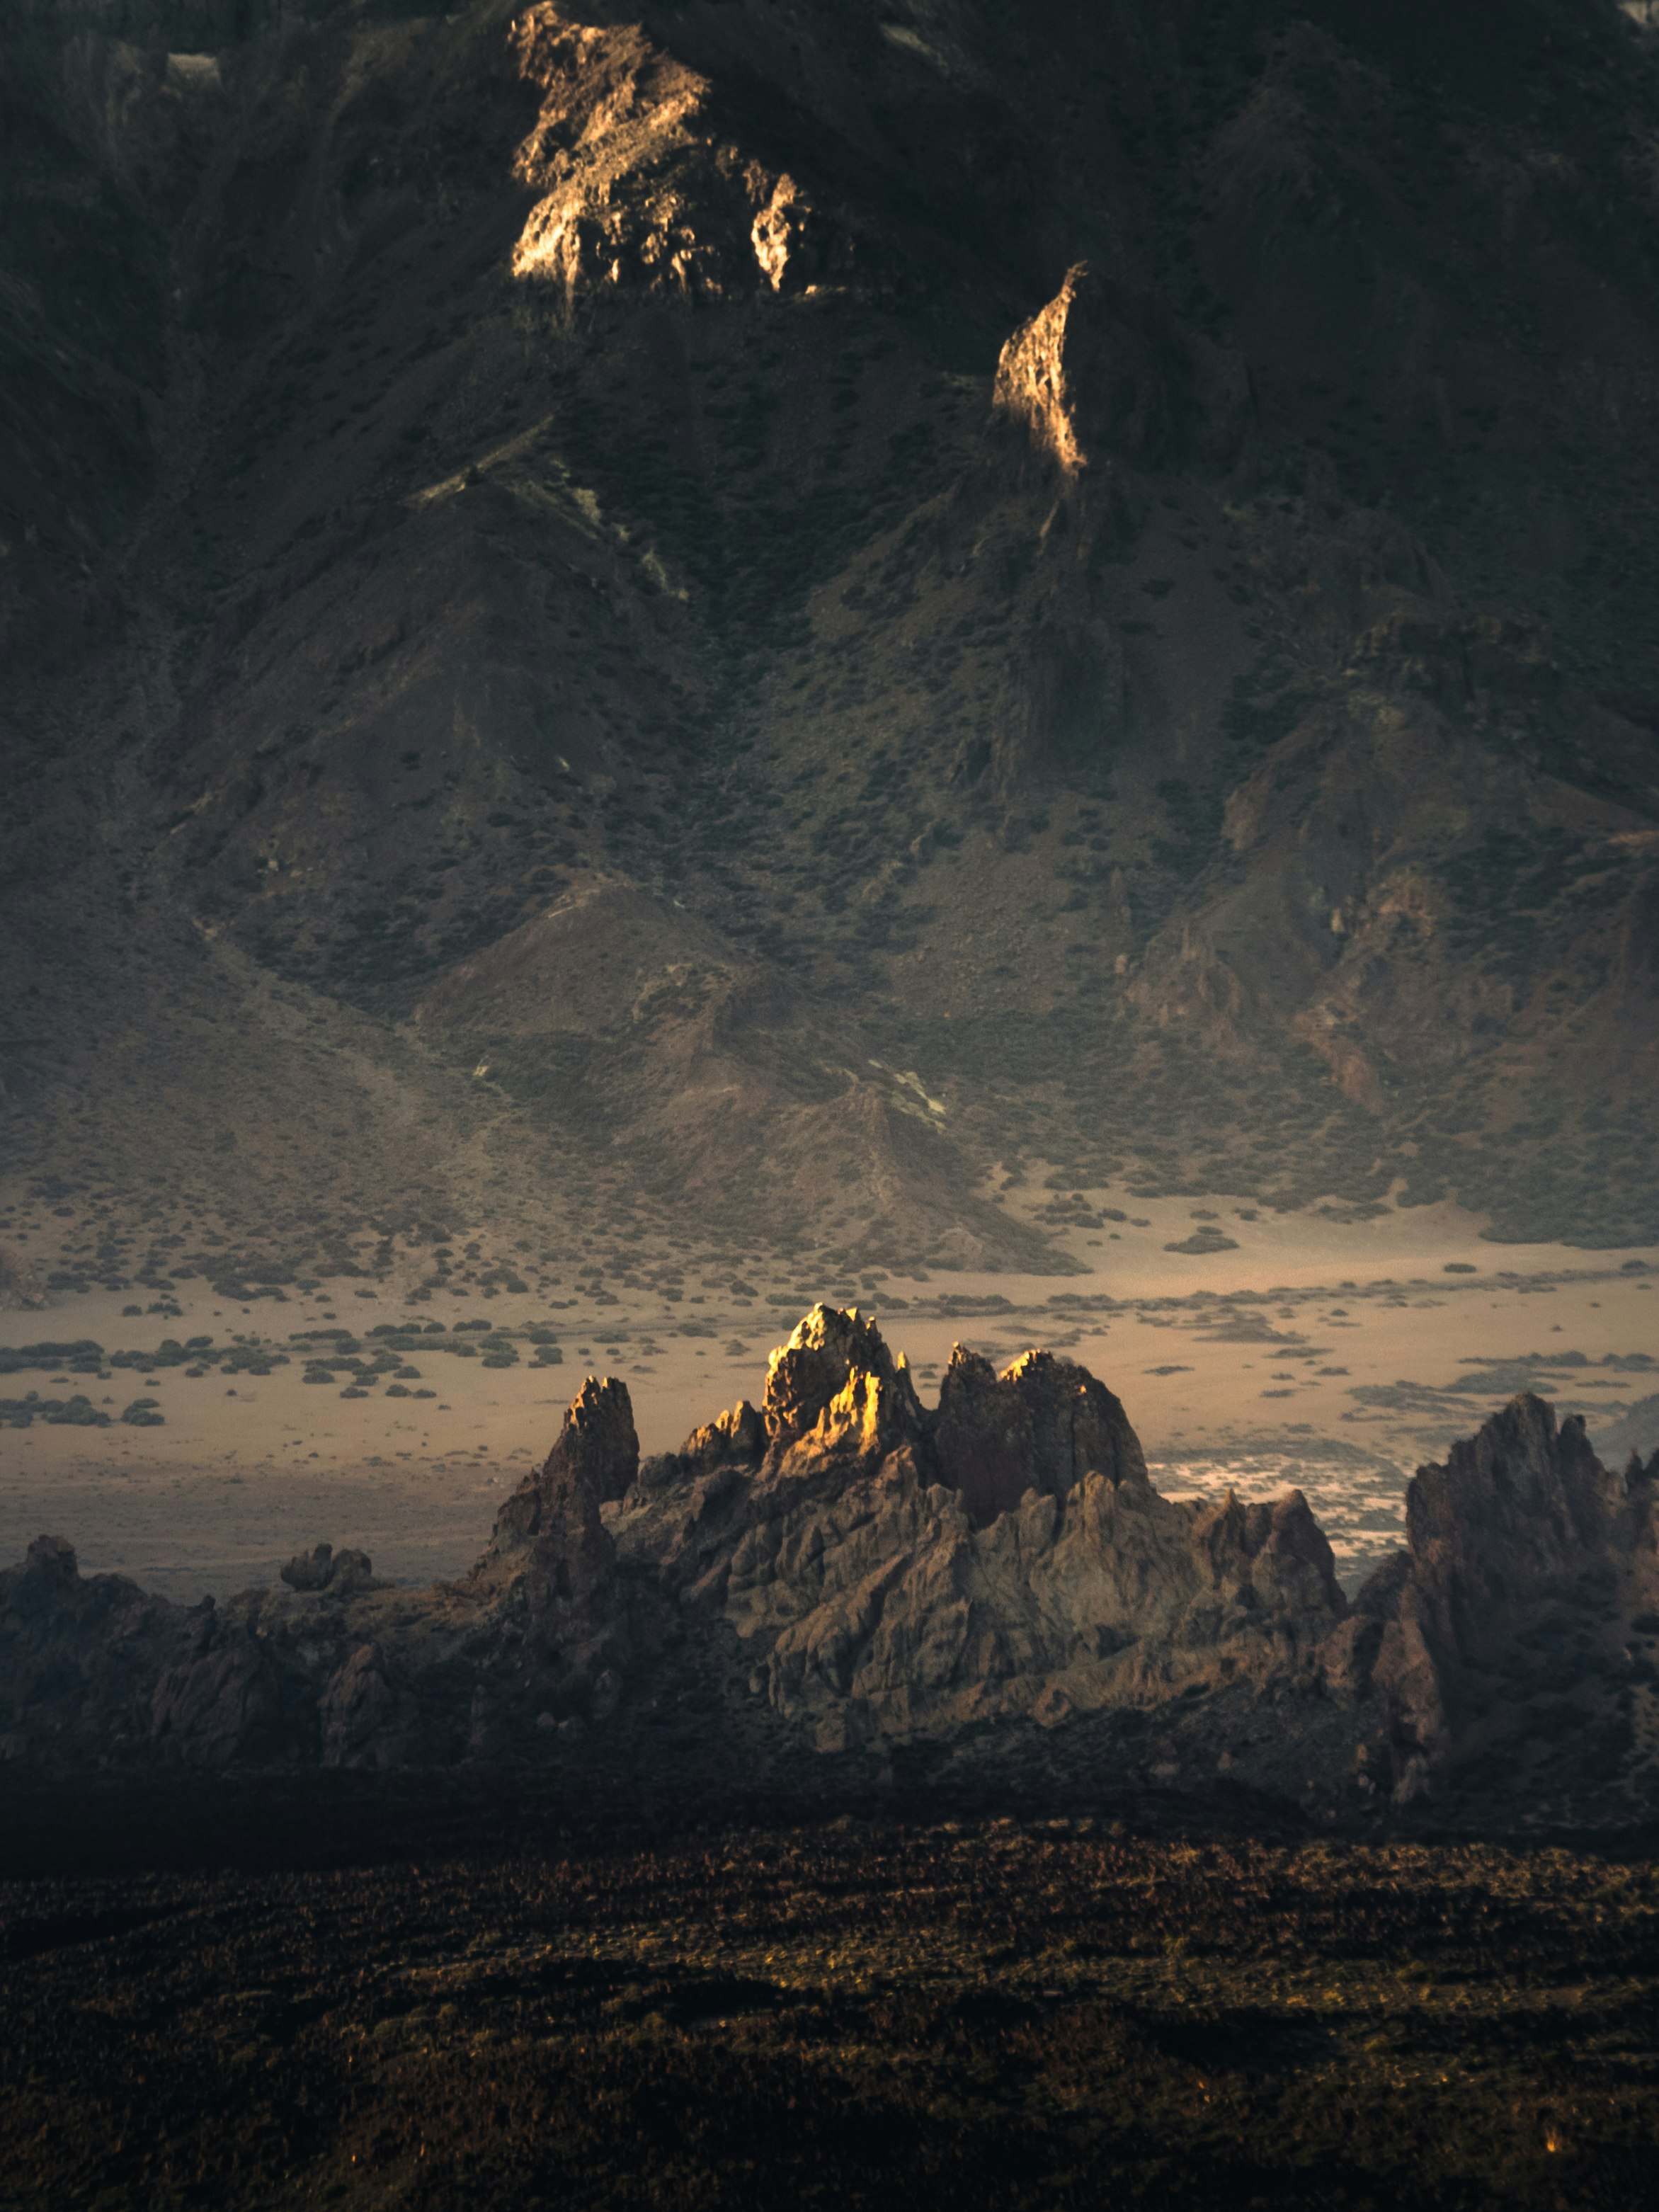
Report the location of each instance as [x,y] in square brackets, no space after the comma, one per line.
[810,603]
[841,1586]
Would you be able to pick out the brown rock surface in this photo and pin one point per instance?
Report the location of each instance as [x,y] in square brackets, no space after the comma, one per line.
[1041,1425]
[992,1589]
[835,1392]
[343,1572]
[598,1445]
[1104,373]
[1512,1636]
[734,1438]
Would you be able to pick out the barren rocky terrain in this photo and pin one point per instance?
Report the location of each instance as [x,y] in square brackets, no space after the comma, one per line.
[841,1588]
[658,1859]
[195,1442]
[986,673]
[422,2003]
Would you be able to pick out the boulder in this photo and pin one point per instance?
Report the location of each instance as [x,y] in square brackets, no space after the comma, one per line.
[353,1571]
[310,1570]
[341,1573]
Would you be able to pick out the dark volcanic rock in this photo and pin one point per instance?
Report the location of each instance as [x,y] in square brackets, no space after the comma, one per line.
[324,1568]
[366,1720]
[221,1705]
[893,1576]
[310,1570]
[548,1532]
[992,1589]
[835,1392]
[1042,1426]
[1508,1636]
[81,1656]
[598,1445]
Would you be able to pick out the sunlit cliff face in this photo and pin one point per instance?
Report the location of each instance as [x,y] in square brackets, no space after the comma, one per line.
[642,188]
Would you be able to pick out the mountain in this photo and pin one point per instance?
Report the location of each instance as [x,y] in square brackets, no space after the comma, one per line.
[759,612]
[842,1590]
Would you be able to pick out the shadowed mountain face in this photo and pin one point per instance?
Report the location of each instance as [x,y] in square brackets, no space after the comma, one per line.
[753,610]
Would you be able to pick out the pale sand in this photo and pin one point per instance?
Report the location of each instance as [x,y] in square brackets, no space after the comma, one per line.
[246,1470]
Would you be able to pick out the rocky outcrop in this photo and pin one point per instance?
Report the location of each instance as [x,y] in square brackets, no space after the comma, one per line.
[735,1439]
[597,1448]
[1516,1633]
[344,1572]
[641,187]
[1104,373]
[893,1576]
[834,1393]
[92,1669]
[993,1583]
[1042,1426]
[550,1566]
[836,1396]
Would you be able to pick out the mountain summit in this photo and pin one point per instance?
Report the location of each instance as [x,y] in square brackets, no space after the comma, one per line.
[767,607]
[844,1589]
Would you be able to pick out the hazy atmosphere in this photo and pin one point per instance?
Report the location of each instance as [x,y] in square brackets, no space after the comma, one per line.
[829,990]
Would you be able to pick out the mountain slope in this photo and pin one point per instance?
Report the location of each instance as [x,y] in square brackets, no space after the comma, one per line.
[759,610]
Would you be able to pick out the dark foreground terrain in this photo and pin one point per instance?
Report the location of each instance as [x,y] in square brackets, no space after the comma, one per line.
[389,1991]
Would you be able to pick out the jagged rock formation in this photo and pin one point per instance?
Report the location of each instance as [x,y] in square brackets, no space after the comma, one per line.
[1517,1634]
[1042,1426]
[845,1571]
[1103,373]
[643,187]
[344,1572]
